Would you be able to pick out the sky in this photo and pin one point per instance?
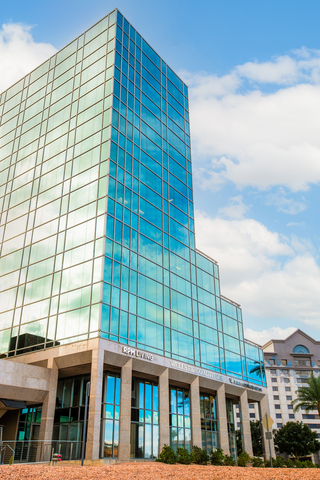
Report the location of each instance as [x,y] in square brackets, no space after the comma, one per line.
[253,71]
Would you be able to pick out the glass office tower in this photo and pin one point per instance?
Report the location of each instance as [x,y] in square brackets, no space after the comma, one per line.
[97,215]
[97,206]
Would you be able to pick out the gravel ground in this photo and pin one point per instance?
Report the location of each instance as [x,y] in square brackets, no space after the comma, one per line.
[153,471]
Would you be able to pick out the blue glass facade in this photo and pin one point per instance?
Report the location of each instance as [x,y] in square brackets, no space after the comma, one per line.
[95,175]
[97,246]
[159,293]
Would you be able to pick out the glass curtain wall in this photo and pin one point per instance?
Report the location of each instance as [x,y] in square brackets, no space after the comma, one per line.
[209,422]
[53,185]
[180,419]
[26,446]
[110,415]
[159,293]
[29,417]
[144,419]
[69,416]
[102,130]
[231,428]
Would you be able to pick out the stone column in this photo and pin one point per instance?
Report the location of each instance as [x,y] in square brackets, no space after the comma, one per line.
[164,403]
[125,412]
[95,401]
[47,415]
[245,420]
[195,413]
[264,408]
[222,418]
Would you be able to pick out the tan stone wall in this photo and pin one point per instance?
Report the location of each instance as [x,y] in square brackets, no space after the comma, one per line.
[20,380]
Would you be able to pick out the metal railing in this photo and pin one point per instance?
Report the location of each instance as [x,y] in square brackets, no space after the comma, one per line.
[31,451]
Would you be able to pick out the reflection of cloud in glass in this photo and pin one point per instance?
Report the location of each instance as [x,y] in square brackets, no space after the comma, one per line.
[73,323]
[182,344]
[35,311]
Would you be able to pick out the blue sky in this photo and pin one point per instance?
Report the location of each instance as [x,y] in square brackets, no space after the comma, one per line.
[253,70]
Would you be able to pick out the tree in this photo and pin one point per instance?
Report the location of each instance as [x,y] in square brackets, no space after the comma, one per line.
[297,439]
[256,438]
[308,397]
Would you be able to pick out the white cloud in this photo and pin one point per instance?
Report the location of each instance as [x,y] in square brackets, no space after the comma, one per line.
[285,204]
[261,338]
[273,277]
[282,70]
[244,248]
[303,66]
[206,86]
[19,53]
[235,209]
[257,137]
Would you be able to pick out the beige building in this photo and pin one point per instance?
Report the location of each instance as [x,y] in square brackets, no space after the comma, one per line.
[288,365]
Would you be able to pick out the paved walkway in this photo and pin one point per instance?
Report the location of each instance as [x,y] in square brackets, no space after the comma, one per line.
[152,471]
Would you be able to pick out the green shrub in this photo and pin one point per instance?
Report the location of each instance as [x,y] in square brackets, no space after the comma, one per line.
[11,459]
[183,456]
[267,463]
[257,462]
[308,464]
[289,463]
[167,455]
[216,457]
[199,456]
[298,464]
[243,459]
[277,462]
[228,461]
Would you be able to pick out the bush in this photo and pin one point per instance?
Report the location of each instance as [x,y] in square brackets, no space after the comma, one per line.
[289,463]
[183,456]
[11,459]
[279,462]
[216,457]
[199,456]
[267,463]
[228,461]
[308,464]
[167,455]
[243,459]
[257,462]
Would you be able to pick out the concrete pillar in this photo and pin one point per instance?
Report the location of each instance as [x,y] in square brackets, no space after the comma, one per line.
[95,401]
[264,408]
[125,412]
[195,413]
[222,418]
[47,414]
[164,404]
[245,420]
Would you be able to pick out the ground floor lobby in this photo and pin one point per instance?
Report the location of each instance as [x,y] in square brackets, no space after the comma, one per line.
[138,402]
